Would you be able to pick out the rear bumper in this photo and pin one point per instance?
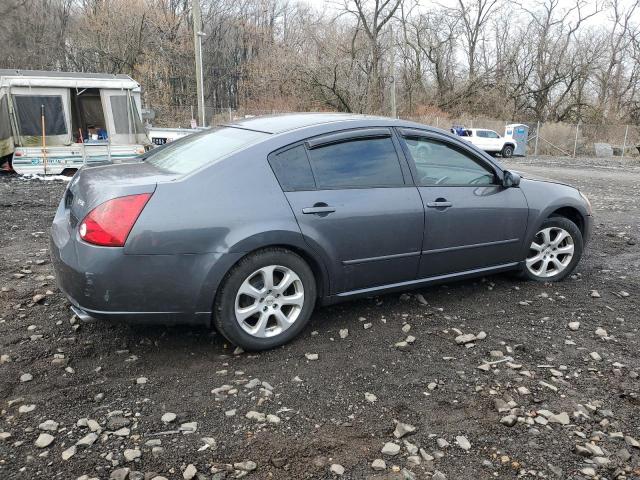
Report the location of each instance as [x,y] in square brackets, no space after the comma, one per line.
[105,283]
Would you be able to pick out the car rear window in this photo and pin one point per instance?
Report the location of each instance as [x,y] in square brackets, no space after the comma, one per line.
[197,150]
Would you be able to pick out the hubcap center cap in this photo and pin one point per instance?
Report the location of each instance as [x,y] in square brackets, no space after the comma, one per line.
[270,300]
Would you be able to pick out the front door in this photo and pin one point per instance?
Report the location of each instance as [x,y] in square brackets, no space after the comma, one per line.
[471,220]
[362,212]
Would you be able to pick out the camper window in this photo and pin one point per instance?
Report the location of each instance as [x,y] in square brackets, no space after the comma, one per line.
[88,116]
[125,115]
[5,125]
[29,109]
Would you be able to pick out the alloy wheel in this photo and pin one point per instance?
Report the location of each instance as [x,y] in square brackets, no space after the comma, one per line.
[550,252]
[269,301]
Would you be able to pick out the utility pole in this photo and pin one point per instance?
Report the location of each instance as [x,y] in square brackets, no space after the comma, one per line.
[394,113]
[197,43]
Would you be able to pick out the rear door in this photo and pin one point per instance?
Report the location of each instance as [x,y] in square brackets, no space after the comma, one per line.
[353,198]
[471,220]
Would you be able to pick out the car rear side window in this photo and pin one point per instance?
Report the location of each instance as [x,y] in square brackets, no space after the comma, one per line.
[292,169]
[357,163]
[197,150]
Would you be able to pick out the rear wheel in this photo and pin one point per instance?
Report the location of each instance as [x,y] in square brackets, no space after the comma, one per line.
[555,250]
[507,151]
[265,300]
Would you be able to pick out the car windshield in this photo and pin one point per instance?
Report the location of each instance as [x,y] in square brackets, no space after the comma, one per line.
[194,151]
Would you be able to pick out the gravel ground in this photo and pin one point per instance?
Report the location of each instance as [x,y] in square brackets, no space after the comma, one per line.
[561,400]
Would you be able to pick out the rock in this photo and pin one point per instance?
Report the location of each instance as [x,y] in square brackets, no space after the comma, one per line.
[467,338]
[168,417]
[337,469]
[367,326]
[344,333]
[189,427]
[131,454]
[594,449]
[378,464]
[311,356]
[189,472]
[44,440]
[245,466]
[142,380]
[595,294]
[588,471]
[509,420]
[5,435]
[603,150]
[26,408]
[524,391]
[69,452]
[390,448]
[632,442]
[49,426]
[93,426]
[115,422]
[595,356]
[406,328]
[122,432]
[481,336]
[438,475]
[87,440]
[119,474]
[574,326]
[279,462]
[601,332]
[273,419]
[257,416]
[561,418]
[253,383]
[370,397]
[38,298]
[463,443]
[403,429]
[26,377]
[402,345]
[442,443]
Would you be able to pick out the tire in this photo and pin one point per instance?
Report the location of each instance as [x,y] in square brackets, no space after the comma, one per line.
[507,151]
[558,265]
[265,315]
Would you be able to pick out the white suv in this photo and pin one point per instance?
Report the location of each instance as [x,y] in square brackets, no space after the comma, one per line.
[490,141]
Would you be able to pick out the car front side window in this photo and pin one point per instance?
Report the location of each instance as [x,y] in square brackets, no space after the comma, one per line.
[440,164]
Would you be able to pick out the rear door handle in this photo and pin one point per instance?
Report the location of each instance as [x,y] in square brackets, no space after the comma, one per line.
[316,210]
[439,204]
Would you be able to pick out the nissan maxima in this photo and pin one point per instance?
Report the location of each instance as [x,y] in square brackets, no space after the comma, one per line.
[247,227]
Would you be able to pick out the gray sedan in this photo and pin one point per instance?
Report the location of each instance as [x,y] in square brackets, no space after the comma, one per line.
[248,226]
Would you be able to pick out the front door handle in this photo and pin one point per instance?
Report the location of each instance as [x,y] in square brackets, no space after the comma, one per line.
[318,208]
[439,203]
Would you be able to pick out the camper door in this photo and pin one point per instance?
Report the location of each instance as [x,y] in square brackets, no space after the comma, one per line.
[30,103]
[122,112]
[6,136]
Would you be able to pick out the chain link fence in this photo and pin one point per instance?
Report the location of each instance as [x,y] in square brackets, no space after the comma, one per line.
[544,138]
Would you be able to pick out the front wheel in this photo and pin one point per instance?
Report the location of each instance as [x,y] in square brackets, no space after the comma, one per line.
[555,250]
[265,300]
[507,151]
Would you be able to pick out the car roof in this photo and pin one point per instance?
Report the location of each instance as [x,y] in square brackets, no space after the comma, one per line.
[292,121]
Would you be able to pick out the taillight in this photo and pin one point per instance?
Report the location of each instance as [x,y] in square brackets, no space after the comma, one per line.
[110,222]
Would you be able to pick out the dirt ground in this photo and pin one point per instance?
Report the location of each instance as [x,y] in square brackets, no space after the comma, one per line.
[570,390]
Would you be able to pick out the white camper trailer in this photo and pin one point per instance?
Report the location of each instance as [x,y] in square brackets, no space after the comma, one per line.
[56,122]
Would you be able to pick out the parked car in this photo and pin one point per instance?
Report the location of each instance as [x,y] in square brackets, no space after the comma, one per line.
[490,141]
[248,226]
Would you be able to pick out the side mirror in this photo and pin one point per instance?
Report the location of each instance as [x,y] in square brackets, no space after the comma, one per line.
[510,179]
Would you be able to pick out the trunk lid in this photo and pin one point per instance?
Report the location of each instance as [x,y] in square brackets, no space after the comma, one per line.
[92,186]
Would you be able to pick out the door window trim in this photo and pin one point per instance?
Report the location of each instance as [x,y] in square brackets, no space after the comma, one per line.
[404,133]
[343,136]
